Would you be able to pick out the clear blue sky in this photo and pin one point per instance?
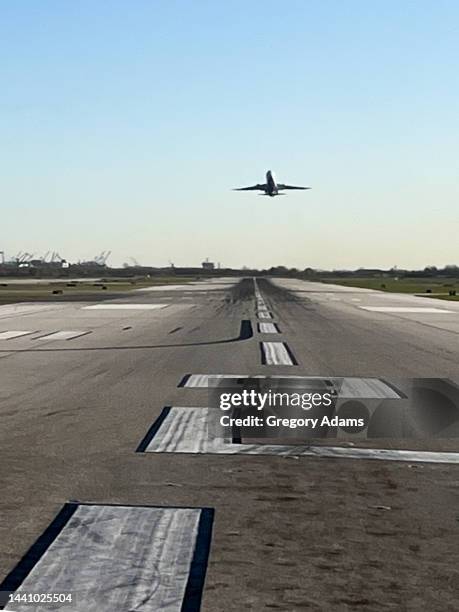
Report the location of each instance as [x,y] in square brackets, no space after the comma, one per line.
[124,126]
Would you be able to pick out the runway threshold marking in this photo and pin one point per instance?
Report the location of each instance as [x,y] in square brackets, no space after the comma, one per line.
[125,307]
[348,387]
[62,335]
[408,309]
[114,557]
[186,430]
[188,287]
[9,335]
[264,314]
[267,328]
[8,310]
[276,353]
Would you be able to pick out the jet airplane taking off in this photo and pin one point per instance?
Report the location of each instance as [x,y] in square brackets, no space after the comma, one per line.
[270,188]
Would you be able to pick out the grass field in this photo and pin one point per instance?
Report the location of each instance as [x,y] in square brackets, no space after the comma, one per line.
[12,290]
[428,287]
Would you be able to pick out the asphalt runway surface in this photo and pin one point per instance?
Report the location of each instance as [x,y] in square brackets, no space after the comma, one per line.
[354,527]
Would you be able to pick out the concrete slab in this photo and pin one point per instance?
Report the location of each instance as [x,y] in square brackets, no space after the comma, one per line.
[110,557]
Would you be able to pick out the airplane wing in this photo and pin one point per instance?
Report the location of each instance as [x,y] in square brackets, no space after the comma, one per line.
[282,186]
[252,188]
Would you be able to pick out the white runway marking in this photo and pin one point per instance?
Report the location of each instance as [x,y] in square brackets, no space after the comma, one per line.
[267,328]
[276,353]
[345,387]
[121,558]
[8,335]
[62,335]
[264,314]
[189,287]
[413,309]
[125,307]
[185,430]
[8,310]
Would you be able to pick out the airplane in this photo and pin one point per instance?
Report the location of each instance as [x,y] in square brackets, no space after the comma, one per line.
[270,188]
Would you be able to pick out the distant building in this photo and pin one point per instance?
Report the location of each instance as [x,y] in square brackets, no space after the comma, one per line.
[208,265]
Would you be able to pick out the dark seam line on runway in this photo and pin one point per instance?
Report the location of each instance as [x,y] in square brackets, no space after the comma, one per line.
[153,430]
[185,379]
[291,355]
[197,574]
[175,330]
[245,334]
[236,437]
[262,354]
[37,550]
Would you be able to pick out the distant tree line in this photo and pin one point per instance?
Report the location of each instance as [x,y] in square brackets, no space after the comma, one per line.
[449,271]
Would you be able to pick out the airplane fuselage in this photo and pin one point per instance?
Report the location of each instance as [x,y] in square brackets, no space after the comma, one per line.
[271,185]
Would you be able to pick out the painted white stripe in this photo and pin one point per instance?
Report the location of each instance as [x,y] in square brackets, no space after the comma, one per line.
[184,430]
[118,558]
[263,314]
[345,387]
[8,335]
[62,335]
[164,288]
[125,307]
[406,309]
[276,353]
[8,310]
[267,328]
[189,287]
[196,439]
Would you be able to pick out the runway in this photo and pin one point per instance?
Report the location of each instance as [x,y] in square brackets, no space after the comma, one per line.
[82,385]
